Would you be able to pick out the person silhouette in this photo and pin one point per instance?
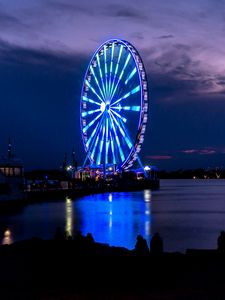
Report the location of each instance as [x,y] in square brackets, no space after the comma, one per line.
[141,246]
[221,242]
[156,244]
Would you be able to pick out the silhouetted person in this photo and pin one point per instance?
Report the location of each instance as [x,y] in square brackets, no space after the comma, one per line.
[89,238]
[141,246]
[156,244]
[89,243]
[221,242]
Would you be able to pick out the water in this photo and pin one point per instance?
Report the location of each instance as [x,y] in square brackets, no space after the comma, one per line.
[187,214]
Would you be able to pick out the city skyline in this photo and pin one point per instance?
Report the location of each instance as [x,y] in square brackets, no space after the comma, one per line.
[45,48]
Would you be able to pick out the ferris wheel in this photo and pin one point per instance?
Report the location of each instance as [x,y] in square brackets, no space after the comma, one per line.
[114,105]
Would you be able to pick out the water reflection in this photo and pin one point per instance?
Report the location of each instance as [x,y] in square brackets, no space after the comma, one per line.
[116,218]
[7,239]
[69,217]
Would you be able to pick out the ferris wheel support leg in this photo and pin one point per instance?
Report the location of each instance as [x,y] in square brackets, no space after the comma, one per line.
[138,158]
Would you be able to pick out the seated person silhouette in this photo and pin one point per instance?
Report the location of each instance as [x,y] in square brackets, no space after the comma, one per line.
[221,242]
[141,246]
[156,244]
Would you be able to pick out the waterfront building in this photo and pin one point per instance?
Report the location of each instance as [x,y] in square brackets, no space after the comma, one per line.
[11,175]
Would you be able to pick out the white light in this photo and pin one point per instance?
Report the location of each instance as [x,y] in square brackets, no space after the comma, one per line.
[110,197]
[68,168]
[102,107]
[147,168]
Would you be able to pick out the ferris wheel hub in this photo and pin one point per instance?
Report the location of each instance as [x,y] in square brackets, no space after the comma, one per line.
[102,107]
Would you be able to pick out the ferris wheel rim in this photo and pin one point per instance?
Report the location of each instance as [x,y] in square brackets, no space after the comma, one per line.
[143,111]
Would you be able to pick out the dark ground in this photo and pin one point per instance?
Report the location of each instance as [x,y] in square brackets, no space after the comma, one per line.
[67,269]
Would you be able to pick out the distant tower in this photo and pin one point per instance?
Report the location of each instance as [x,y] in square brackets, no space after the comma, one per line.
[65,161]
[9,149]
[73,158]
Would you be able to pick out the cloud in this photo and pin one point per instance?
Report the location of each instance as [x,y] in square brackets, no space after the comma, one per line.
[159,157]
[178,75]
[205,151]
[14,54]
[8,21]
[124,11]
[167,36]
[70,7]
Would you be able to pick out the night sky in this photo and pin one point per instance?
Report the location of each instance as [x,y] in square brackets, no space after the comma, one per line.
[45,48]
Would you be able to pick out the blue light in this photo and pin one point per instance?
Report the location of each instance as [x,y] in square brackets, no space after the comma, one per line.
[122,132]
[95,146]
[90,100]
[106,72]
[107,142]
[96,80]
[120,128]
[91,136]
[119,116]
[133,108]
[101,147]
[117,66]
[135,90]
[131,75]
[121,75]
[111,66]
[112,148]
[117,140]
[110,79]
[100,71]
[85,113]
[95,132]
[91,123]
[93,90]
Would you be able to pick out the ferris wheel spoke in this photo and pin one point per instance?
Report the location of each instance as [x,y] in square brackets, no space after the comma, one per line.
[135,90]
[119,116]
[116,69]
[131,108]
[101,76]
[117,139]
[100,147]
[128,139]
[90,112]
[91,123]
[112,147]
[130,75]
[95,132]
[93,90]
[90,100]
[107,141]
[120,76]
[96,141]
[129,144]
[97,82]
[111,66]
[106,73]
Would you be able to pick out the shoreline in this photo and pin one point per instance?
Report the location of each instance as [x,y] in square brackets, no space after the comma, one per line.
[54,195]
[67,269]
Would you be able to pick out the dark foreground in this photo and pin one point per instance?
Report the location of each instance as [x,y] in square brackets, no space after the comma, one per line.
[67,269]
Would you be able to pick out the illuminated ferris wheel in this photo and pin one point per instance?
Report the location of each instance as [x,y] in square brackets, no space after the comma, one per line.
[114,105]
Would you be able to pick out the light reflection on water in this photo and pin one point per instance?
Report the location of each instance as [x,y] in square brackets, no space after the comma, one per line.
[7,239]
[116,218]
[187,214]
[69,217]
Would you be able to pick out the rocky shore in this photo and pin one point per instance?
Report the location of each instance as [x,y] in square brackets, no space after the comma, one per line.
[76,269]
